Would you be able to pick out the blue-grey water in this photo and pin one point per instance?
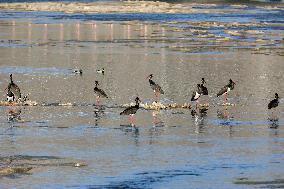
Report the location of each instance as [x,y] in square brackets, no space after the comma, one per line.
[239,146]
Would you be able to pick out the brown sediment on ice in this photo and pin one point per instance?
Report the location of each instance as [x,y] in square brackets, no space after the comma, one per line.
[100,7]
[34,103]
[22,164]
[228,104]
[7,171]
[25,103]
[159,106]
[153,106]
[124,7]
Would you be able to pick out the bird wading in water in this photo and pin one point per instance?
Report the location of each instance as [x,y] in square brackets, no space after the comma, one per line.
[273,103]
[132,110]
[203,89]
[196,94]
[156,88]
[14,92]
[99,92]
[224,91]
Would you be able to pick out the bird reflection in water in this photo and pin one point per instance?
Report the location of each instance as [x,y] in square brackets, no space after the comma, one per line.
[154,133]
[99,112]
[199,115]
[273,122]
[14,115]
[223,114]
[226,119]
[132,131]
[157,122]
[200,112]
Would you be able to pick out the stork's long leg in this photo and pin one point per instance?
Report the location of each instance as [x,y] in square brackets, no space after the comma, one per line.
[197,104]
[98,100]
[225,98]
[132,119]
[156,96]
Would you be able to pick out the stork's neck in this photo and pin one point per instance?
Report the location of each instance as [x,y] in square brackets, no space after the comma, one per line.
[231,85]
[11,79]
[151,81]
[137,103]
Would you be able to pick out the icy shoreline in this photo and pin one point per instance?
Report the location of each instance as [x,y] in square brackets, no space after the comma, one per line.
[100,7]
[123,7]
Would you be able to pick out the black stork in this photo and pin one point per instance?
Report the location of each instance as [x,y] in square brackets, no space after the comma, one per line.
[99,92]
[102,71]
[196,94]
[274,103]
[224,91]
[13,90]
[203,89]
[10,96]
[156,88]
[78,71]
[131,110]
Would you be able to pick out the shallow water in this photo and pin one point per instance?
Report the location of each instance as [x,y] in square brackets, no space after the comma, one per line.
[225,147]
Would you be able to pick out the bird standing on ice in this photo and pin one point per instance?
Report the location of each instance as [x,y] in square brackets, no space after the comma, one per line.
[196,94]
[13,90]
[99,92]
[203,89]
[156,88]
[224,91]
[102,71]
[78,71]
[10,96]
[273,103]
